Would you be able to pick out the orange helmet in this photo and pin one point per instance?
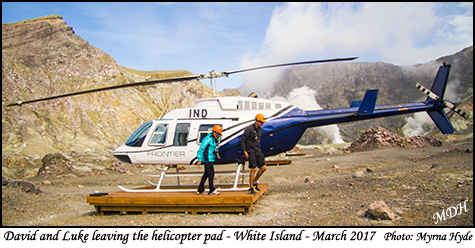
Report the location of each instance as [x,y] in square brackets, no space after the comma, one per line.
[260,117]
[218,129]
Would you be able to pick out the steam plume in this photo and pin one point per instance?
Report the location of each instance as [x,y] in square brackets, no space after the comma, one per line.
[304,98]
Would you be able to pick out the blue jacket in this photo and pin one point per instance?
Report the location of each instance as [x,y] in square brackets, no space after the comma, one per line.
[207,149]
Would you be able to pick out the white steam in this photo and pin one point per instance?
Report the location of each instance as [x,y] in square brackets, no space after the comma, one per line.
[419,124]
[398,33]
[304,98]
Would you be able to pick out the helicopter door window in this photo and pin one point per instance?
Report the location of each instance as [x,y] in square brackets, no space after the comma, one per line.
[204,130]
[159,135]
[181,134]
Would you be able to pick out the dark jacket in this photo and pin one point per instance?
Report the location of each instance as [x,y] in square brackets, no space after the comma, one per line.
[251,139]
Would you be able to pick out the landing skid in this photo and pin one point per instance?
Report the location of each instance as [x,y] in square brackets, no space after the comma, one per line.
[163,174]
[177,190]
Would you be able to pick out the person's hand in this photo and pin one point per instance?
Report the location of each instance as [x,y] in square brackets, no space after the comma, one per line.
[199,163]
[246,155]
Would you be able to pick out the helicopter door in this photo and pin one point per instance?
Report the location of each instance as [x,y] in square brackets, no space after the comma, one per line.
[159,135]
[181,134]
[180,143]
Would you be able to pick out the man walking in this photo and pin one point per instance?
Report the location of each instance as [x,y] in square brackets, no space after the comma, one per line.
[251,146]
[207,155]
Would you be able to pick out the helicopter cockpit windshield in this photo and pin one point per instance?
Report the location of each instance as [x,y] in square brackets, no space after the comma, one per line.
[158,137]
[137,138]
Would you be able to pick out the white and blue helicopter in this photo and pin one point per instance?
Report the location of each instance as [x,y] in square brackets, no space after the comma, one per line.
[176,138]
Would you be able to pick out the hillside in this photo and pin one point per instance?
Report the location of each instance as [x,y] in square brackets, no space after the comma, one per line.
[44,57]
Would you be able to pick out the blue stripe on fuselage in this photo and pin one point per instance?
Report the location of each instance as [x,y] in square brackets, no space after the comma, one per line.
[276,137]
[282,134]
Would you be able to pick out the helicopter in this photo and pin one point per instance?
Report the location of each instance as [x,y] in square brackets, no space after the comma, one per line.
[176,138]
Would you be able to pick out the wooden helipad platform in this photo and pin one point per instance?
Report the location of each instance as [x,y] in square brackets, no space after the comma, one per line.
[278,162]
[227,201]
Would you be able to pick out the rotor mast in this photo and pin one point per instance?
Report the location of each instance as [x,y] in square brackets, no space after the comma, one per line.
[212,76]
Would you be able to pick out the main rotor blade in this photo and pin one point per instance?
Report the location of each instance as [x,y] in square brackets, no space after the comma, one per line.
[289,64]
[167,80]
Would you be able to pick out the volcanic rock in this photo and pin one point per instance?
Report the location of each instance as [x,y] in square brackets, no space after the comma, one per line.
[380,137]
[380,211]
[29,187]
[56,164]
[5,181]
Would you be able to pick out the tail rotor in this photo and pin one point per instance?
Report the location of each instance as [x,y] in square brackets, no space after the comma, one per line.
[448,104]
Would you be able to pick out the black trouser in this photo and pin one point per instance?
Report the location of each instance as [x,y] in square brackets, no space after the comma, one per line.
[208,174]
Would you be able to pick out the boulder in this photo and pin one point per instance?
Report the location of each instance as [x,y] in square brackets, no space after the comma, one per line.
[380,211]
[26,186]
[29,187]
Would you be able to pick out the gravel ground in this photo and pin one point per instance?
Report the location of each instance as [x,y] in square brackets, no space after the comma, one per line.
[415,184]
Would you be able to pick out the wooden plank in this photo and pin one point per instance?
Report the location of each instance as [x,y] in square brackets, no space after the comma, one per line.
[232,201]
[278,162]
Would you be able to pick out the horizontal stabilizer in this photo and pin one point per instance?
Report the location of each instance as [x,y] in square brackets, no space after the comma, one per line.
[441,121]
[368,103]
[355,104]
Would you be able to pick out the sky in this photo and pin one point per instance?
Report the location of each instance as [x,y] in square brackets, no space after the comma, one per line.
[201,37]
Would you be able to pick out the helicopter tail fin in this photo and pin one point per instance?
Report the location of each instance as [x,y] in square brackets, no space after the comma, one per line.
[440,81]
[438,88]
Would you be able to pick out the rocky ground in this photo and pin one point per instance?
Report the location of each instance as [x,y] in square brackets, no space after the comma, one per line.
[326,187]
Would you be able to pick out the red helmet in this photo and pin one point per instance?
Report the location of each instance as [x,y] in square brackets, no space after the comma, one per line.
[218,129]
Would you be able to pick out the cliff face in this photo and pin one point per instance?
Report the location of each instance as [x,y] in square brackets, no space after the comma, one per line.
[43,57]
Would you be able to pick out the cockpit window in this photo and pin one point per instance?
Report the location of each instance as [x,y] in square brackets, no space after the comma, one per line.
[159,135]
[137,138]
